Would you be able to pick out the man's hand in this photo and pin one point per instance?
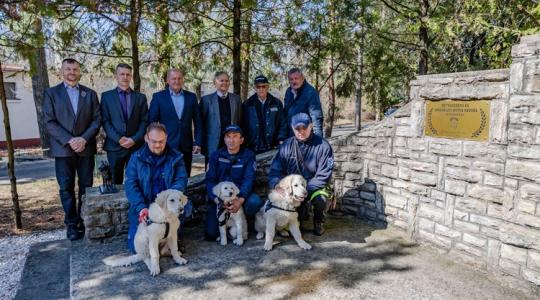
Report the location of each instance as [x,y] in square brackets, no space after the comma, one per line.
[196,149]
[78,144]
[143,215]
[126,142]
[235,205]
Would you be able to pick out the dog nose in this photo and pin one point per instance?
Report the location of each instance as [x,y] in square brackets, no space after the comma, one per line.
[230,194]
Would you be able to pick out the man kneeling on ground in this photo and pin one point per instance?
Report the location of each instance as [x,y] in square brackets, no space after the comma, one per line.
[153,168]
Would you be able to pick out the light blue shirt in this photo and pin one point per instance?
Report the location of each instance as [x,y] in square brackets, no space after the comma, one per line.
[178,101]
[73,93]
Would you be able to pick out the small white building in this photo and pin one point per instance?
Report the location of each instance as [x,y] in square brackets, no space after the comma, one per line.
[21,107]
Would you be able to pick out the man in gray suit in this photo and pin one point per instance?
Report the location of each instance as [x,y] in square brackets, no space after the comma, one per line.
[124,113]
[72,117]
[218,110]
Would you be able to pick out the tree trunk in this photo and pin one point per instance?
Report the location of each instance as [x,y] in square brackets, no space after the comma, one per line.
[133,29]
[247,58]
[11,158]
[237,46]
[329,124]
[360,79]
[165,49]
[424,39]
[40,82]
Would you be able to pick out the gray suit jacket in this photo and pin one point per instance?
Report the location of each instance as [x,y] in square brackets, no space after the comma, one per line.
[63,123]
[209,108]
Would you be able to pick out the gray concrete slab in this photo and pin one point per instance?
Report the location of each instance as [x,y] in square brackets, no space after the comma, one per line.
[351,261]
[46,272]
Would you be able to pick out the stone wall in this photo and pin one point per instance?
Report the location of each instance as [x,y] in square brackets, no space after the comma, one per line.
[478,201]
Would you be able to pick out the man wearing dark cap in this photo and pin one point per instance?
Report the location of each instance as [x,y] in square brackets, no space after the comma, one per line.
[231,163]
[311,156]
[264,122]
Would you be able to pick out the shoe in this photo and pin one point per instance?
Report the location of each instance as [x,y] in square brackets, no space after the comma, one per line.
[73,233]
[81,228]
[318,228]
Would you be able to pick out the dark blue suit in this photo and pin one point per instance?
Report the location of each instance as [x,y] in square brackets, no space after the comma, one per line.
[180,133]
[116,127]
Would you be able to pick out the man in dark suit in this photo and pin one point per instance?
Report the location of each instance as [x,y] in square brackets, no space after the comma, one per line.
[124,114]
[72,116]
[178,110]
[219,110]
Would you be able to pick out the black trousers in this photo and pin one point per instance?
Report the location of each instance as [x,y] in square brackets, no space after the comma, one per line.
[66,168]
[319,209]
[118,161]
[188,158]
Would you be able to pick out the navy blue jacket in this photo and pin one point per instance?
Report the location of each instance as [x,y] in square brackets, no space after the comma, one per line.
[180,134]
[113,120]
[240,170]
[138,183]
[318,162]
[307,102]
[276,123]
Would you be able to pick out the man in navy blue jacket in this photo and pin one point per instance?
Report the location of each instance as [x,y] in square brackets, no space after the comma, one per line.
[311,156]
[231,163]
[302,97]
[124,114]
[264,122]
[178,110]
[152,169]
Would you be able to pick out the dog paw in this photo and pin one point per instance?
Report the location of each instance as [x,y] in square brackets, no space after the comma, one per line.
[260,235]
[181,261]
[239,241]
[304,246]
[154,269]
[223,242]
[268,247]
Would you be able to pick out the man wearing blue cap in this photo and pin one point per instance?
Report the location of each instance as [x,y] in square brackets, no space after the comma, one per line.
[231,163]
[311,156]
[263,120]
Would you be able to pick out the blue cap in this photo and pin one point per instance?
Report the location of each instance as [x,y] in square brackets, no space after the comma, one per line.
[233,128]
[300,119]
[260,79]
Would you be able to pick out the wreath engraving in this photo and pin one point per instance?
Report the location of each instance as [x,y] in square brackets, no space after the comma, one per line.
[483,122]
[430,123]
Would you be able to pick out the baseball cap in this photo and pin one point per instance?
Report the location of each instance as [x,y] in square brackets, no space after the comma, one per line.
[260,79]
[300,119]
[233,128]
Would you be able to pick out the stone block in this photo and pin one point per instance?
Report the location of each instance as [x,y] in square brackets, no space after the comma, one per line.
[528,220]
[493,180]
[404,173]
[464,174]
[457,162]
[531,276]
[520,151]
[460,215]
[526,206]
[485,221]
[446,231]
[351,167]
[435,239]
[498,130]
[495,210]
[474,240]
[486,151]
[469,249]
[450,148]
[466,226]
[471,205]
[494,248]
[438,195]
[533,260]
[526,170]
[423,166]
[530,192]
[367,196]
[517,69]
[485,193]
[509,267]
[455,187]
[425,224]
[389,171]
[431,212]
[515,254]
[520,236]
[495,168]
[423,178]
[521,133]
[395,200]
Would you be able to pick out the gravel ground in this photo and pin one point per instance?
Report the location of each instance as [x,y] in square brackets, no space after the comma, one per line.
[13,252]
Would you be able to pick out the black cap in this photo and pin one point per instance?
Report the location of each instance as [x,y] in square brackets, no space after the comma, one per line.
[260,79]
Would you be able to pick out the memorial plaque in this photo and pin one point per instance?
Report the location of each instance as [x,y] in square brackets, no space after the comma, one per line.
[457,119]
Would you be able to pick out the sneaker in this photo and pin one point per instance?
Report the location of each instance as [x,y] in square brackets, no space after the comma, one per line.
[318,228]
[73,233]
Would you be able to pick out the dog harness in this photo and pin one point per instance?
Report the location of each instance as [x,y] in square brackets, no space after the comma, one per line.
[269,205]
[220,210]
[149,222]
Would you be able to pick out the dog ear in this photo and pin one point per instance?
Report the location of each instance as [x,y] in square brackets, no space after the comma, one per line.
[161,199]
[217,190]
[183,199]
[236,189]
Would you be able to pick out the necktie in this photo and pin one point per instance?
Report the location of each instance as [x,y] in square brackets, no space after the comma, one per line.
[123,101]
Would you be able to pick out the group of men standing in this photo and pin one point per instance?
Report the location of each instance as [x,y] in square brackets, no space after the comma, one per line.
[153,145]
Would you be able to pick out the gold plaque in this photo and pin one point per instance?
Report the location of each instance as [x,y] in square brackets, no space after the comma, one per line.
[458,119]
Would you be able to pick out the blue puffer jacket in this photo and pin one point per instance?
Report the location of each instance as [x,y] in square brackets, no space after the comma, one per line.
[138,183]
[239,168]
[276,123]
[317,167]
[307,102]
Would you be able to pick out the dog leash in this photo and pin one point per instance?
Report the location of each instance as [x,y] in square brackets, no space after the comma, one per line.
[269,205]
[149,222]
[220,210]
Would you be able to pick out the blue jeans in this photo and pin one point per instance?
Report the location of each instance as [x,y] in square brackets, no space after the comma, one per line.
[66,168]
[134,223]
[251,206]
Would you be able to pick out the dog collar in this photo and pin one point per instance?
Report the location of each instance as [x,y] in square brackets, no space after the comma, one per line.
[220,210]
[269,205]
[149,222]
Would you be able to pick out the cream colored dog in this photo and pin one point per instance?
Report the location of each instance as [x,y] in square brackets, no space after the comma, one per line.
[157,236]
[226,192]
[280,211]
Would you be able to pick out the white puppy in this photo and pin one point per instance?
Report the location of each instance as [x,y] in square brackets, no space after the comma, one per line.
[159,231]
[280,211]
[226,191]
